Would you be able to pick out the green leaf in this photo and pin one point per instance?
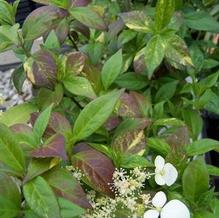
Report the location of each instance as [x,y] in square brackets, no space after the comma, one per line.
[10,152]
[212,170]
[8,12]
[154,54]
[195,180]
[194,122]
[159,110]
[41,21]
[79,86]
[94,51]
[69,209]
[52,41]
[204,214]
[176,52]
[46,97]
[164,13]
[168,122]
[204,99]
[41,199]
[25,137]
[89,17]
[127,62]
[8,37]
[42,122]
[197,55]
[207,82]
[213,103]
[210,63]
[111,69]
[8,208]
[131,81]
[10,197]
[166,91]
[94,115]
[18,78]
[138,21]
[30,214]
[65,4]
[17,114]
[133,161]
[39,166]
[102,148]
[202,146]
[201,20]
[126,36]
[158,145]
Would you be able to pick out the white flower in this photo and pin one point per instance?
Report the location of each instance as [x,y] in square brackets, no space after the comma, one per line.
[173,209]
[165,173]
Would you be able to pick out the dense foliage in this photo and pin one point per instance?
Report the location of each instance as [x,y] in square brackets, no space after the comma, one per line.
[114,127]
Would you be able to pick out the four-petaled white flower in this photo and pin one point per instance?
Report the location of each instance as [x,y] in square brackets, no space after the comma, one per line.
[165,173]
[173,209]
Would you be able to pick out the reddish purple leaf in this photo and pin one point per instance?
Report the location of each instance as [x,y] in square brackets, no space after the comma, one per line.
[133,104]
[98,169]
[137,20]
[116,27]
[112,123]
[62,30]
[139,63]
[92,17]
[21,128]
[79,3]
[81,147]
[84,30]
[93,74]
[129,106]
[33,117]
[41,69]
[66,186]
[41,21]
[143,103]
[132,140]
[57,123]
[178,137]
[54,148]
[75,62]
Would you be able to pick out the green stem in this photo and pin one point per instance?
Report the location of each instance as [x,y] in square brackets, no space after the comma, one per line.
[21,44]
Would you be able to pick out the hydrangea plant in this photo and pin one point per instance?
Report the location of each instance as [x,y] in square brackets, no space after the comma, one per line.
[114,128]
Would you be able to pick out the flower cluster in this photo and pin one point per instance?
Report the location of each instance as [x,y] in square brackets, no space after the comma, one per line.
[125,184]
[77,173]
[131,198]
